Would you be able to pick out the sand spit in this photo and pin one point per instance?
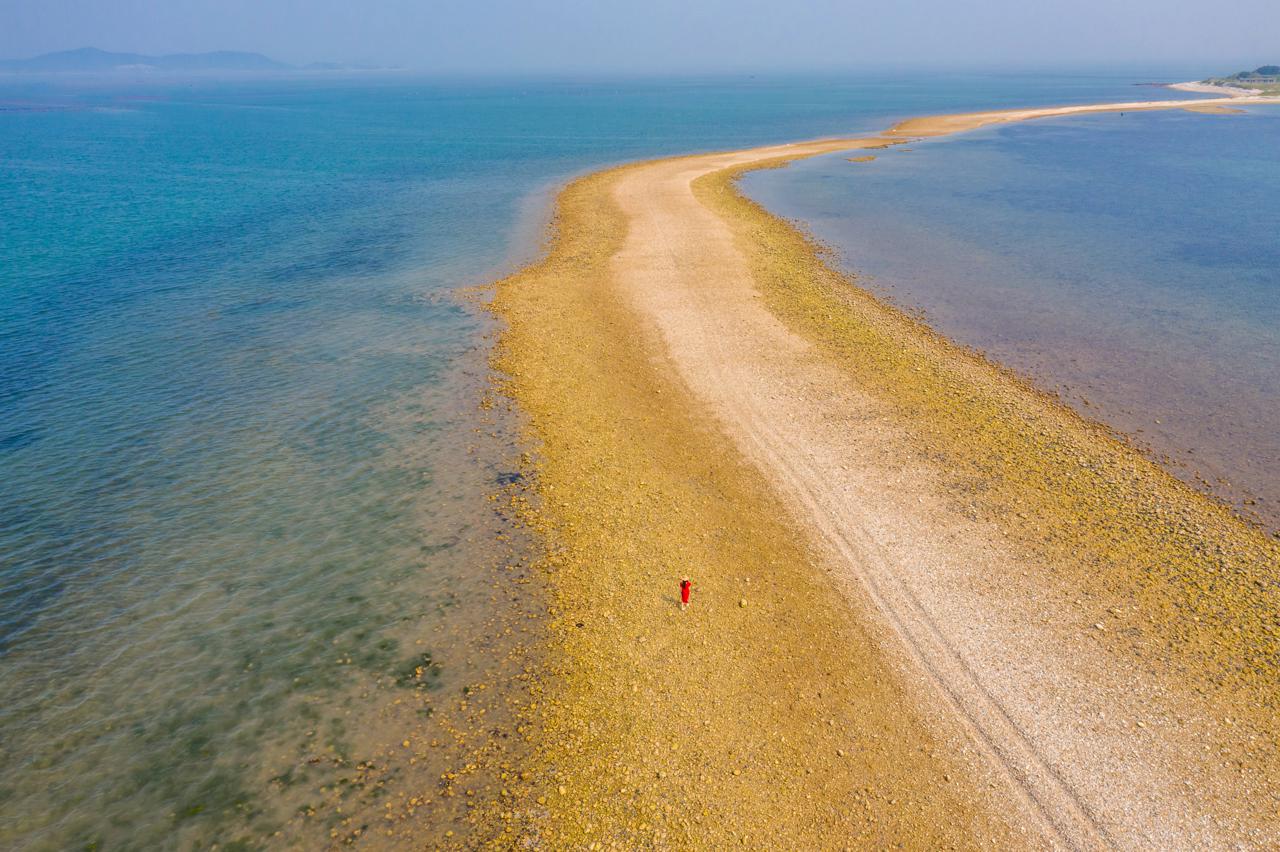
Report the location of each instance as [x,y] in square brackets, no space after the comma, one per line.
[1214,109]
[932,606]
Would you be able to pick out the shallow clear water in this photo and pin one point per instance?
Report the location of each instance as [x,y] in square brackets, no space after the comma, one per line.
[237,405]
[1131,262]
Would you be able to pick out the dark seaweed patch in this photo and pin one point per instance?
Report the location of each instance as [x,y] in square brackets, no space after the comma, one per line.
[418,672]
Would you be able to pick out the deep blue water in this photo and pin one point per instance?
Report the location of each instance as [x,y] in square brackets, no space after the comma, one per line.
[1130,261]
[237,395]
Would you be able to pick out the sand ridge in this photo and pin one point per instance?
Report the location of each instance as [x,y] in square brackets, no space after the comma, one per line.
[1071,742]
[764,714]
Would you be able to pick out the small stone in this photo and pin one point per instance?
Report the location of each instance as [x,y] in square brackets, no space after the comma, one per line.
[743,603]
[563,790]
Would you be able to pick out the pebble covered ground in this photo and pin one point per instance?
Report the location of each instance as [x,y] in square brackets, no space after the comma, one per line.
[772,713]
[1162,578]
[765,715]
[1182,579]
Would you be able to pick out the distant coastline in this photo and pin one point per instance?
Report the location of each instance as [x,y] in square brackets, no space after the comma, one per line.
[1263,80]
[1215,89]
[95,60]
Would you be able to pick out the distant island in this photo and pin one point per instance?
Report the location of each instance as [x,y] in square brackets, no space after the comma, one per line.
[92,59]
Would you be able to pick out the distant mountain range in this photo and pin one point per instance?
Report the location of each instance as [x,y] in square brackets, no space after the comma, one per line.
[93,59]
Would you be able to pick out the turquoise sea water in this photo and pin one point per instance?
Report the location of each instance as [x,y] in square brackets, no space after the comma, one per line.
[241,477]
[1131,262]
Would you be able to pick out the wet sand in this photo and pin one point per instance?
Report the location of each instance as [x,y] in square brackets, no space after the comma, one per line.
[932,605]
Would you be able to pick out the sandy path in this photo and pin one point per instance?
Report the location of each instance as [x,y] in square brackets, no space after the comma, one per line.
[1058,730]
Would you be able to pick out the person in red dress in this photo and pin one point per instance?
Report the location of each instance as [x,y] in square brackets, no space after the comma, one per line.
[685,585]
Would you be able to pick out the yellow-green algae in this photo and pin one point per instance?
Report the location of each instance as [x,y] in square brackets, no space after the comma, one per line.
[1080,500]
[767,715]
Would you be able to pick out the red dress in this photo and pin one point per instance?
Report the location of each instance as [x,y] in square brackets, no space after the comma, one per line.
[685,585]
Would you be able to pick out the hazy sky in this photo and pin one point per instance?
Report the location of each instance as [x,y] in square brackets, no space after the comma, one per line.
[661,35]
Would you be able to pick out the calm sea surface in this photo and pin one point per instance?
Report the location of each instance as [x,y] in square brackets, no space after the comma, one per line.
[242,482]
[1131,262]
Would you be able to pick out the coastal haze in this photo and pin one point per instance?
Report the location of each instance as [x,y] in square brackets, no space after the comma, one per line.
[312,535]
[659,37]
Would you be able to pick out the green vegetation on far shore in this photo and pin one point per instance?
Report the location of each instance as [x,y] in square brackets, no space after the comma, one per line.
[1265,78]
